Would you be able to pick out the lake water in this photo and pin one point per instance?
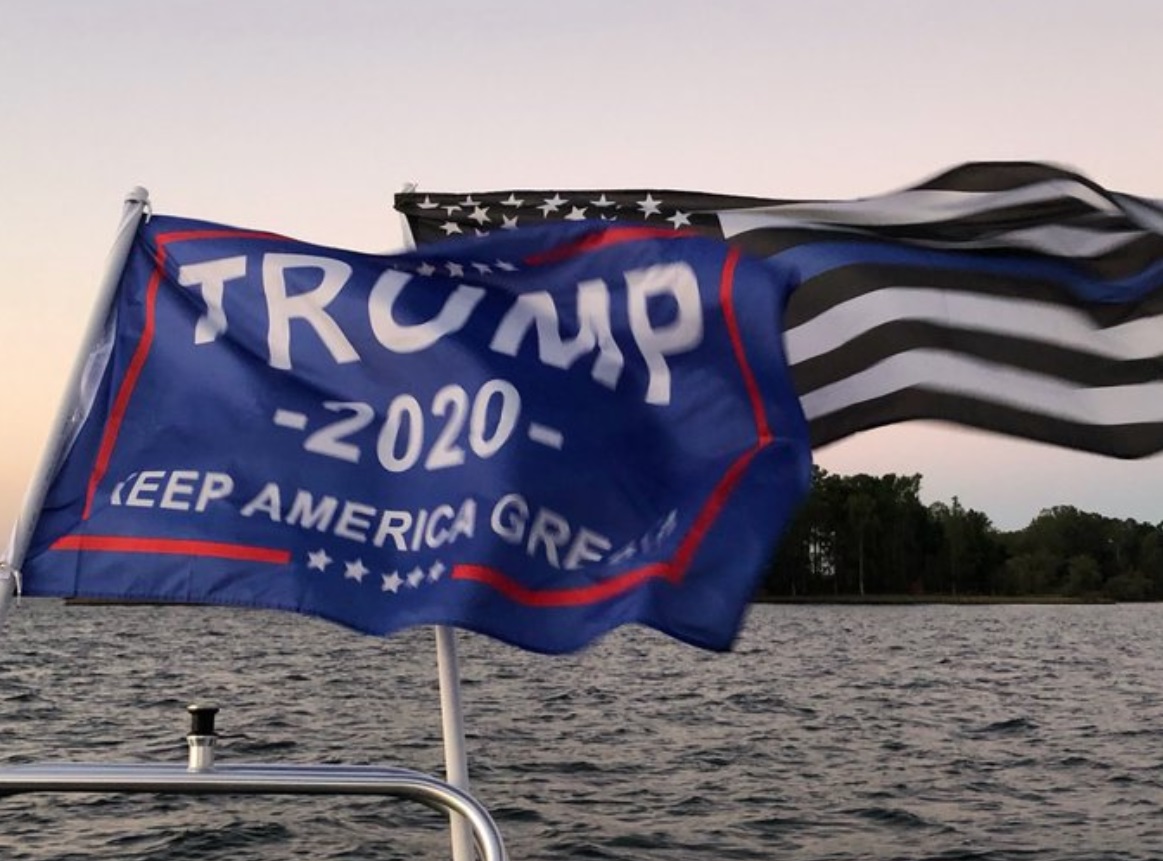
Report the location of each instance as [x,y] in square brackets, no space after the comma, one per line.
[831,732]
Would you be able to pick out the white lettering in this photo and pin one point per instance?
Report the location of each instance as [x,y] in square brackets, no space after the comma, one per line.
[305,514]
[268,500]
[426,528]
[180,490]
[181,483]
[217,485]
[593,320]
[435,536]
[509,517]
[308,306]
[147,482]
[299,288]
[415,337]
[587,547]
[211,277]
[354,521]
[421,518]
[549,530]
[547,533]
[394,524]
[115,496]
[465,521]
[683,333]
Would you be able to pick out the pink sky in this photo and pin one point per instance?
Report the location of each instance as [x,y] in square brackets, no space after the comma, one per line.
[305,118]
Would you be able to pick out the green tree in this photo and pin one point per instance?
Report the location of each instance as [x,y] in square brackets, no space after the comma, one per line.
[1083,576]
[1150,560]
[861,515]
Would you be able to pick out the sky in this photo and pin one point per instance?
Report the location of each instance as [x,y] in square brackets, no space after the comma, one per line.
[305,118]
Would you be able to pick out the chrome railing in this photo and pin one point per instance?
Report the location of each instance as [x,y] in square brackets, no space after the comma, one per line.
[202,776]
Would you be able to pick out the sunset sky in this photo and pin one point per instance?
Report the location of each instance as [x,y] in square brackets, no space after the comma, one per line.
[305,118]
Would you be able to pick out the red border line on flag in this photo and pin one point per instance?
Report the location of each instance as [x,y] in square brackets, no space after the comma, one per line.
[141,351]
[675,569]
[604,239]
[521,594]
[173,546]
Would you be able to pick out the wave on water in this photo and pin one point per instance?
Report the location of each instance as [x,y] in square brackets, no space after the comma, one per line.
[832,733]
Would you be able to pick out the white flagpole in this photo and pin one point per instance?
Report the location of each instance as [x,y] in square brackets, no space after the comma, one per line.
[71,411]
[451,712]
[452,726]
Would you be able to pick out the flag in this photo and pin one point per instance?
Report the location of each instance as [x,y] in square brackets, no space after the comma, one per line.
[538,436]
[1014,297]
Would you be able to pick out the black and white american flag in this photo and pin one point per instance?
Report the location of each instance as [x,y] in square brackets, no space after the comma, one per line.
[1015,297]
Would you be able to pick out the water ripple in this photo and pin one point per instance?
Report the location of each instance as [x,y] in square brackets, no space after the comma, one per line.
[832,734]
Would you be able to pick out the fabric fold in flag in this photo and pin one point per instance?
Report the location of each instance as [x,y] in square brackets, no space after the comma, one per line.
[539,436]
[1015,297]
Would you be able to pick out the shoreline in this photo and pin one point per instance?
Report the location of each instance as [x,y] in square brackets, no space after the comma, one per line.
[932,599]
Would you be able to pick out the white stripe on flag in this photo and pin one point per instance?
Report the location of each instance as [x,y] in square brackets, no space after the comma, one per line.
[1058,240]
[1148,213]
[916,206]
[1018,318]
[937,371]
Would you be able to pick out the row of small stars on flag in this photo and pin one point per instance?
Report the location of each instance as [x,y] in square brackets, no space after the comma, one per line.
[355,570]
[551,208]
[457,270]
[454,269]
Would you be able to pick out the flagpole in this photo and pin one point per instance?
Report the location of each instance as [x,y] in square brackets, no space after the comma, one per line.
[452,727]
[451,711]
[71,411]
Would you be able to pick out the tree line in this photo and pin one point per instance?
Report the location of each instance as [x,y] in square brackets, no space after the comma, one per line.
[865,535]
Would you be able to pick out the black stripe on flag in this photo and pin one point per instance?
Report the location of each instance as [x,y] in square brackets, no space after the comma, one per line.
[1130,440]
[875,345]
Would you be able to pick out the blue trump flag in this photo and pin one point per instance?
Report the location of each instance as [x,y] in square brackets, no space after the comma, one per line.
[537,435]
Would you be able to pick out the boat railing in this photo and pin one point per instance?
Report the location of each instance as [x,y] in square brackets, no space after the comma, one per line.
[201,775]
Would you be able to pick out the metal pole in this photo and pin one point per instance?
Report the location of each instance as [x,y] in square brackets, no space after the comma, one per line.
[452,727]
[72,409]
[451,712]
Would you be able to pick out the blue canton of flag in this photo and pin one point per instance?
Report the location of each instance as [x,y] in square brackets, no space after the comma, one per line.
[538,435]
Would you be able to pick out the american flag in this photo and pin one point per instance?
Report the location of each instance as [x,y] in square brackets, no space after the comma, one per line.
[1016,297]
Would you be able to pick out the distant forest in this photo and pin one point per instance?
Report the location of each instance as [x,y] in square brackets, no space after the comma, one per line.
[865,535]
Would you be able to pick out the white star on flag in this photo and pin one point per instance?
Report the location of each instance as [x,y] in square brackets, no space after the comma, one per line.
[552,204]
[508,222]
[426,269]
[392,582]
[576,214]
[435,572]
[355,571]
[450,227]
[680,219]
[602,201]
[427,203]
[512,200]
[649,206]
[505,266]
[480,215]
[482,268]
[415,577]
[455,270]
[318,561]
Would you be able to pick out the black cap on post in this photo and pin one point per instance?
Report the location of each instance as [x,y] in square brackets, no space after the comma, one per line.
[202,719]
